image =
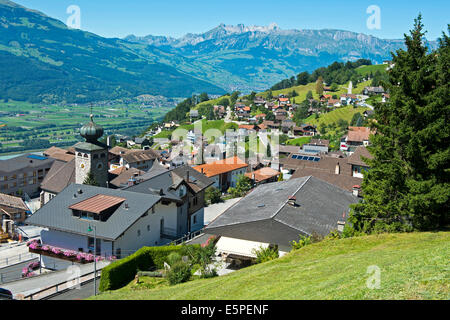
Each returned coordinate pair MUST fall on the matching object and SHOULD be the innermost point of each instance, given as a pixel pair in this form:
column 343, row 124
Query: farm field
column 36, row 127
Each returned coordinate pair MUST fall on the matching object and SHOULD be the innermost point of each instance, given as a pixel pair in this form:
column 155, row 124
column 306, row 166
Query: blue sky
column 118, row 18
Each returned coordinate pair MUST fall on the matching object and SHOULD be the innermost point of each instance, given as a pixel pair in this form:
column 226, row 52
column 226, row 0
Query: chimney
column 292, row 201
column 356, row 190
column 338, row 169
column 253, row 176
column 340, row 226
column 187, row 176
column 202, row 171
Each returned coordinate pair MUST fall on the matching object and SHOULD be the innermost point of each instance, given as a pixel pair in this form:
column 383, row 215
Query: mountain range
column 41, row 59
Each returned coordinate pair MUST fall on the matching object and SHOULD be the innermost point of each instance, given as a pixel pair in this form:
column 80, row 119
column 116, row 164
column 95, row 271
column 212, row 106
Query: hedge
column 121, row 272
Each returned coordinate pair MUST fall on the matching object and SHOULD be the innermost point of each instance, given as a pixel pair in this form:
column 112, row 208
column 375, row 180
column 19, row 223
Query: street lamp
column 90, row 228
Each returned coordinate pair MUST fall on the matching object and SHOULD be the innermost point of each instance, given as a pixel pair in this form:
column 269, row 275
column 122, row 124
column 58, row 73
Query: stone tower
column 91, row 155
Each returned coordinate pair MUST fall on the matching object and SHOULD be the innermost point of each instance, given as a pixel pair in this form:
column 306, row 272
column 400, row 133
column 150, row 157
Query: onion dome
column 91, row 131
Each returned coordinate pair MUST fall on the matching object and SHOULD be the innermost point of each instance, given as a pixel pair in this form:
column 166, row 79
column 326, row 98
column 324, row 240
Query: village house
column 194, row 115
column 368, row 91
column 124, row 222
column 356, row 136
column 275, row 214
column 287, row 126
column 220, row 111
column 271, row 125
column 316, row 146
column 357, row 163
column 224, row 172
column 139, row 159
column 23, row 174
column 280, row 115
column 247, row 129
column 333, row 103
column 263, row 175
column 305, row 130
column 286, row 150
column 183, row 186
column 347, row 99
column 13, row 211
column 334, row 169
column 60, row 154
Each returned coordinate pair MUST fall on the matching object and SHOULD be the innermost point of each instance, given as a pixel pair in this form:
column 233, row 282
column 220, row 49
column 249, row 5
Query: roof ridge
column 284, row 204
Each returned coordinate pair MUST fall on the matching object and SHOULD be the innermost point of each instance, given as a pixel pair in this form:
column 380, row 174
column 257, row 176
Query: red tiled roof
column 263, row 174
column 358, row 134
column 247, row 126
column 221, row 166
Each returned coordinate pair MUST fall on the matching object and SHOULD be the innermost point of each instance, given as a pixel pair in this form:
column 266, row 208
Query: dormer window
column 99, row 207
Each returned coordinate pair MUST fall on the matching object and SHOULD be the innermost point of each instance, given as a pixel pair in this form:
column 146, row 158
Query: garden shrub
column 266, row 254
column 121, row 272
column 179, row 272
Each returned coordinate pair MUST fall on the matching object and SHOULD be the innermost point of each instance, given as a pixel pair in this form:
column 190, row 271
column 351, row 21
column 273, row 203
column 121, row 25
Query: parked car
column 5, row 294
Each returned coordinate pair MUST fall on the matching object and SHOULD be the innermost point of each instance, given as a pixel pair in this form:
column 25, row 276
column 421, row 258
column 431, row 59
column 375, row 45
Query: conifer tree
column 90, row 180
column 407, row 187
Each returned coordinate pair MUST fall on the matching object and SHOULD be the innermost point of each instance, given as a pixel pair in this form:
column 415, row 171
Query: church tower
column 91, row 155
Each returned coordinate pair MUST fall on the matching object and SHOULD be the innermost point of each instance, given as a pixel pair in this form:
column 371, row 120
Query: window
column 139, row 233
column 195, row 201
column 195, row 219
column 148, row 227
column 95, row 156
column 153, row 209
column 102, row 155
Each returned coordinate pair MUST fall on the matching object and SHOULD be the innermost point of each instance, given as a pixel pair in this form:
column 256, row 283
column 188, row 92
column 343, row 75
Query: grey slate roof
column 265, row 215
column 56, row 214
column 168, row 181
column 23, row 162
column 61, row 175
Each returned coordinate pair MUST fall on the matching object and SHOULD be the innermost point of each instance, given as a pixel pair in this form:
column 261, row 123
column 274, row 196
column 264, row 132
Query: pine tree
column 90, row 180
column 319, row 86
column 407, row 187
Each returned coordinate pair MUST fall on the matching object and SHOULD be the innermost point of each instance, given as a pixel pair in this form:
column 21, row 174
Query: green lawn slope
column 344, row 113
column 412, row 266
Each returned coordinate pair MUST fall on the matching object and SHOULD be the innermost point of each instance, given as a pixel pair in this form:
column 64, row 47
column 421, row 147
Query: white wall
column 200, row 217
column 130, row 241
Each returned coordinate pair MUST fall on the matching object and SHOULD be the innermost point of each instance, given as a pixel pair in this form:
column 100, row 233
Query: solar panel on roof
column 36, row 157
column 316, row 159
column 310, row 158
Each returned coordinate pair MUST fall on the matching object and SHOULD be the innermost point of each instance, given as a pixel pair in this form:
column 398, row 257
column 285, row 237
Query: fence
column 16, row 272
column 5, row 262
column 60, row 287
column 188, row 237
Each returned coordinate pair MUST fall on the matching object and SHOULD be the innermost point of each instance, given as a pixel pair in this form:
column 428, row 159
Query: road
column 13, row 272
column 85, row 291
